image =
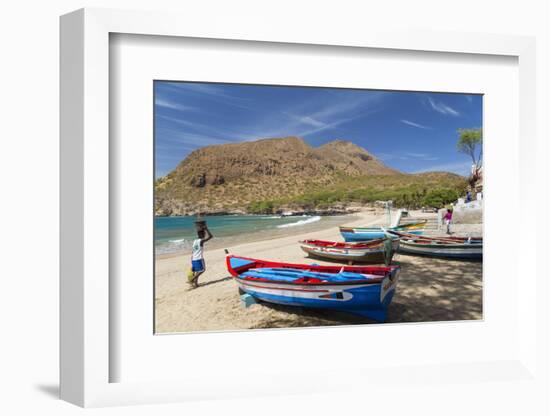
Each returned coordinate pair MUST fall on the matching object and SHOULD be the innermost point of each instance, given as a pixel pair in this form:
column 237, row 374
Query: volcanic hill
column 230, row 177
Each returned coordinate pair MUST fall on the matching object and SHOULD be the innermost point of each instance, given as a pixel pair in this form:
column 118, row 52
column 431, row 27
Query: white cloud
column 200, row 88
column 208, row 91
column 442, row 108
column 461, row 168
column 423, row 156
column 307, row 120
column 187, row 139
column 163, row 102
column 417, row 125
column 406, row 156
column 330, row 112
column 226, row 135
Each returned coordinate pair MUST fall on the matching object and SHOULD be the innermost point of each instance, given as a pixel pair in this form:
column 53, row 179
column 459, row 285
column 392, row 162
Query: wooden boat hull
column 457, row 251
column 349, row 254
column 369, row 298
column 356, row 234
column 447, row 247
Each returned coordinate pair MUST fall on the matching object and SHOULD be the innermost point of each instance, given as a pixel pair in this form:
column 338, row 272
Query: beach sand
column 429, row 289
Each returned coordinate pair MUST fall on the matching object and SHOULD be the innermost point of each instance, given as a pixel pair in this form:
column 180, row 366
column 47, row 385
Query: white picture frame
column 85, row 211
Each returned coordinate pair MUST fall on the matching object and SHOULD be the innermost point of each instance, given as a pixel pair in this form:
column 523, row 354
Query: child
column 447, row 218
column 197, row 260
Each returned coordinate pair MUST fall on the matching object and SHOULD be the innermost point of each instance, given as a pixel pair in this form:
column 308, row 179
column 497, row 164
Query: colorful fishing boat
column 361, row 290
column 375, row 251
column 448, row 247
column 352, row 234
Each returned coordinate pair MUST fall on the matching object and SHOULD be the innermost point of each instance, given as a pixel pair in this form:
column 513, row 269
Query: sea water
column 176, row 234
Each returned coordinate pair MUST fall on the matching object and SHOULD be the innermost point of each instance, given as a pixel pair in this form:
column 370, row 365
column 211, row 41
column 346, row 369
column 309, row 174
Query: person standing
column 447, row 219
column 198, row 265
column 468, row 197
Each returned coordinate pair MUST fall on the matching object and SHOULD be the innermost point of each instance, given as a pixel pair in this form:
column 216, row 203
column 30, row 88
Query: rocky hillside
column 231, row 177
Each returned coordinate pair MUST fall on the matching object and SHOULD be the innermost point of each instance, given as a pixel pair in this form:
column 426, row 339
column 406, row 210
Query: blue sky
column 410, row 131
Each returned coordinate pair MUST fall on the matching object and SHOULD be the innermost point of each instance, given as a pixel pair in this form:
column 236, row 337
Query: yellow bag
column 190, row 274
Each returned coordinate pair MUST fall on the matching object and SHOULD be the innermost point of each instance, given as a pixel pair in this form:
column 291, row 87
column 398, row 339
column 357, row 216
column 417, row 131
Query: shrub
column 261, row 207
column 438, row 198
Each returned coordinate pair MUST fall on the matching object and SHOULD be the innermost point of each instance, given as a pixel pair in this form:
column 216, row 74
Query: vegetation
column 406, row 191
column 470, row 142
column 261, row 207
column 438, row 198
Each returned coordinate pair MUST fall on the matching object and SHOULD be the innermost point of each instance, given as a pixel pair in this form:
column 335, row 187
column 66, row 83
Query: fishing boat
column 375, row 251
column 448, row 247
column 353, row 234
column 361, row 290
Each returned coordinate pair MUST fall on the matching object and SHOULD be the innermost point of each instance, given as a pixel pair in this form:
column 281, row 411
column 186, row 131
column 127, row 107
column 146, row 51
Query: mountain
column 350, row 159
column 231, row 177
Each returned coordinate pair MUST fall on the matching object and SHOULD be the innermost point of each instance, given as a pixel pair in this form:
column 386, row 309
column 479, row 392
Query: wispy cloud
column 166, row 103
column 308, row 120
column 460, row 168
column 326, row 114
column 423, row 156
column 442, row 108
column 207, row 91
column 328, row 111
column 199, row 88
column 417, row 125
column 406, row 156
column 223, row 136
column 390, row 156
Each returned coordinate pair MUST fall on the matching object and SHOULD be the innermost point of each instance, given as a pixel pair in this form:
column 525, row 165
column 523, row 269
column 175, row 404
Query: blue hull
column 365, row 302
column 369, row 235
column 457, row 256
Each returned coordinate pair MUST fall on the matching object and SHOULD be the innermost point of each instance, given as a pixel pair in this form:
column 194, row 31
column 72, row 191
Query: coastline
column 429, row 289
column 268, row 234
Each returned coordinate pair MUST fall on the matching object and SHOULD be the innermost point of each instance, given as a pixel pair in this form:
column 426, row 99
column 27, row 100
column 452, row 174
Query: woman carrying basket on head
column 198, row 265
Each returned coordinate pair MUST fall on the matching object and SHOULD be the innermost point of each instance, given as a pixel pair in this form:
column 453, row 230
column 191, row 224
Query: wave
column 301, row 222
column 177, row 241
column 172, row 246
column 273, row 217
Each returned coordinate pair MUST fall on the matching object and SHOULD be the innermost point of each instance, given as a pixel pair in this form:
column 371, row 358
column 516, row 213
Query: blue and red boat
column 361, row 290
column 357, row 234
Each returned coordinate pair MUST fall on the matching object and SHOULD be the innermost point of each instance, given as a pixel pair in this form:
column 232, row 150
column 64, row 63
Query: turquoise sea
column 176, row 234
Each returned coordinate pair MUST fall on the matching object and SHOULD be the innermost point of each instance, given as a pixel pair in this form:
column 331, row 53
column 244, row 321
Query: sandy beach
column 429, row 289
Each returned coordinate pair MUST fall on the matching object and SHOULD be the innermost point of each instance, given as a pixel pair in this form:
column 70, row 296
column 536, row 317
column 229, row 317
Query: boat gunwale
column 367, row 245
column 427, row 241
column 362, row 282
column 421, row 224
column 442, row 245
column 389, row 271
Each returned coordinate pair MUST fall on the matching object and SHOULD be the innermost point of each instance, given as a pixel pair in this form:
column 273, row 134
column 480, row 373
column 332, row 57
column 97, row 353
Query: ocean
column 176, row 234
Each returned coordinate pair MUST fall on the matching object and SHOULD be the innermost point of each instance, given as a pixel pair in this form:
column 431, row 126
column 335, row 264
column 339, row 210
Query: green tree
column 261, row 207
column 470, row 142
column 438, row 198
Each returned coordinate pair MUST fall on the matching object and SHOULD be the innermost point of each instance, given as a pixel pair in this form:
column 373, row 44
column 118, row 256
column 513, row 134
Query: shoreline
column 429, row 289
column 267, row 234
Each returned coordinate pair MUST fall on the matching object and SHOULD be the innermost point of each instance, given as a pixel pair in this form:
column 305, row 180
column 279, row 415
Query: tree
column 469, row 140
column 438, row 198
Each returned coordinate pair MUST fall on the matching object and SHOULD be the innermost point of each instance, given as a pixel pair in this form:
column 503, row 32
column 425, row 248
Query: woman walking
column 447, row 219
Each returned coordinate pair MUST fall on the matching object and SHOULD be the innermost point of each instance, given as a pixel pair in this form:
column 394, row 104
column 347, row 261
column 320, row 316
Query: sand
column 429, row 289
